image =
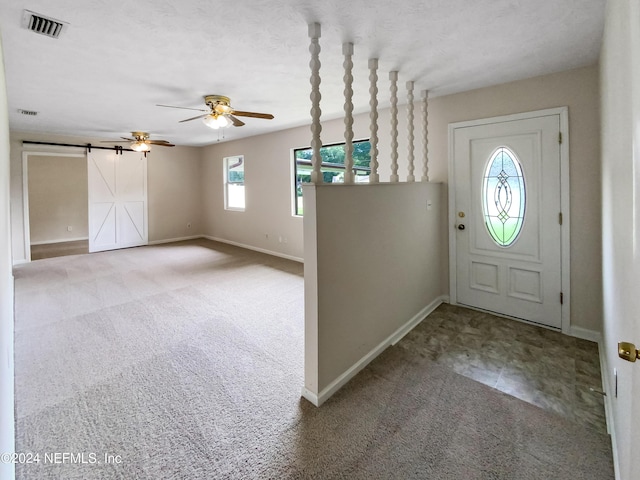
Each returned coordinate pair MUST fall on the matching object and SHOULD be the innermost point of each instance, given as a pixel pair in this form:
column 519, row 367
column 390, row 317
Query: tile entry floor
column 537, row 365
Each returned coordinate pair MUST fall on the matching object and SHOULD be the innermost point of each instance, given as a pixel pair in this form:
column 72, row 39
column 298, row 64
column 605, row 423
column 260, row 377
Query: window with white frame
column 332, row 167
column 234, row 183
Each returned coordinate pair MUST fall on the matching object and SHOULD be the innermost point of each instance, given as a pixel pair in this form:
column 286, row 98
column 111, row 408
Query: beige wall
column 58, row 198
column 174, row 188
column 373, row 275
column 579, row 90
column 7, row 443
column 174, row 193
column 620, row 83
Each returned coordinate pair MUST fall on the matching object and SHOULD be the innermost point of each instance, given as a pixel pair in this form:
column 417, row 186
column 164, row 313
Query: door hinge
column 559, row 137
column 561, row 298
column 560, row 218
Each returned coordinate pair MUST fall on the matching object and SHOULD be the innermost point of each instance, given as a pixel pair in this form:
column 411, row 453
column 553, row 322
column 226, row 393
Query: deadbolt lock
column 627, row 351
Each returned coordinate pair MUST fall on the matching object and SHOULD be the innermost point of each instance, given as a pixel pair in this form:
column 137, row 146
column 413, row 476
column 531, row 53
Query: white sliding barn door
column 117, row 200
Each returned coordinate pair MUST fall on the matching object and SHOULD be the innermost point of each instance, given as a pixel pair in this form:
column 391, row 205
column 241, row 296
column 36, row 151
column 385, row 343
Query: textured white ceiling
column 118, row 59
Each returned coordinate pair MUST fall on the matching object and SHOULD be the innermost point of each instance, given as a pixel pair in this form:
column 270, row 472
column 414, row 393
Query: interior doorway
column 56, row 204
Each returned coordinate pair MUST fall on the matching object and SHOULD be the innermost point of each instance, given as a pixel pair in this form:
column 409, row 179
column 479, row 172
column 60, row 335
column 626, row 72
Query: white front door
column 117, row 200
column 506, row 211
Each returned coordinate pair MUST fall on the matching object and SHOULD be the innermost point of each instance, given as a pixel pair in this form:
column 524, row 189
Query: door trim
column 565, row 242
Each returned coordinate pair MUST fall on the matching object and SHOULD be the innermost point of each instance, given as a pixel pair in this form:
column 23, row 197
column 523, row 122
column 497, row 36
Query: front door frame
column 565, row 243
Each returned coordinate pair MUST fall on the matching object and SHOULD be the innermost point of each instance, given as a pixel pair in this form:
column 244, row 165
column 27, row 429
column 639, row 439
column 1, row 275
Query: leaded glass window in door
column 503, row 197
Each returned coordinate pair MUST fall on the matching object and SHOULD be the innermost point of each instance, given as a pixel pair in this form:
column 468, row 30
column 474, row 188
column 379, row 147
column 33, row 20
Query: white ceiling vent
column 44, row 25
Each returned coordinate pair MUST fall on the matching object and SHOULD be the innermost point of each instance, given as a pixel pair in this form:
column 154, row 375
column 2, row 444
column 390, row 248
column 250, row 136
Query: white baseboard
column 171, row 240
column 417, row 318
column 21, row 261
column 255, row 249
column 585, row 334
column 392, row 339
column 61, row 240
column 608, row 407
column 309, row 395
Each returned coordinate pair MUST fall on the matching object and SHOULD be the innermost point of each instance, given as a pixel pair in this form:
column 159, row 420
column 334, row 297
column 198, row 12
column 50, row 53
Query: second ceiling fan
column 220, row 114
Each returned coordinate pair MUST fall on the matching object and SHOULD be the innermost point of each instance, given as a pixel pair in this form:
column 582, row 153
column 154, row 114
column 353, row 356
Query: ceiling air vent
column 27, row 112
column 44, row 25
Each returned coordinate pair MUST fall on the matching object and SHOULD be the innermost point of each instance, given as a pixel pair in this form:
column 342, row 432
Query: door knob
column 627, row 351
column 461, row 227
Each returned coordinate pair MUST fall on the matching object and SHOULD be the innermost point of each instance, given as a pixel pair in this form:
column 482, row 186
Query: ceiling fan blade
column 129, row 139
column 194, row 118
column 182, row 108
column 236, row 121
column 160, row 143
column 114, row 142
column 266, row 116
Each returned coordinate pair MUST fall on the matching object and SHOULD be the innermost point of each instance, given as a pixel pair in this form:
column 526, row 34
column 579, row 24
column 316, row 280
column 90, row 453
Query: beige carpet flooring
column 185, row 361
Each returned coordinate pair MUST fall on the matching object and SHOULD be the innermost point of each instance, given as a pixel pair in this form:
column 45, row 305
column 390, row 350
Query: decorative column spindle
column 347, row 51
column 425, row 131
column 393, row 76
column 316, row 128
column 411, row 177
column 373, row 115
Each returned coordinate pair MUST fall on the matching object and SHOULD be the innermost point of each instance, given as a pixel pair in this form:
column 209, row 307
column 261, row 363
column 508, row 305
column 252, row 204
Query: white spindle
column 393, row 76
column 373, row 115
column 410, row 153
column 425, row 131
column 316, row 127
column 347, row 51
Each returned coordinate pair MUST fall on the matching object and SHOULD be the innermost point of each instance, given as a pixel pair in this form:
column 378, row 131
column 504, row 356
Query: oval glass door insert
column 503, row 197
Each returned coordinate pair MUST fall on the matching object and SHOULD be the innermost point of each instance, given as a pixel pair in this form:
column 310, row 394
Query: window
column 503, row 197
column 332, row 166
column 234, row 183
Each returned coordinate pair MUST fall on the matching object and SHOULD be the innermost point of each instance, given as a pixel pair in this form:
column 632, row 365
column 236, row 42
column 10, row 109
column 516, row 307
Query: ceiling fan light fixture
column 140, row 146
column 216, row 121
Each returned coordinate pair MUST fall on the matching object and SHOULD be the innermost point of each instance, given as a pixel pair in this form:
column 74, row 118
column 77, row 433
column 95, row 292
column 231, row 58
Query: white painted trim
column 25, row 197
column 608, row 408
column 20, row 262
column 61, row 240
column 26, row 231
column 392, row 339
column 563, row 113
column 312, row 397
column 256, row 249
column 565, row 231
column 417, row 318
column 585, row 334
